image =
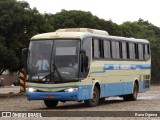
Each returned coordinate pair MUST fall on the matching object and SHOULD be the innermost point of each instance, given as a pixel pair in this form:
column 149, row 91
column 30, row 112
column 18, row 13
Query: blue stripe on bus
column 114, row 89
column 123, row 67
column 85, row 92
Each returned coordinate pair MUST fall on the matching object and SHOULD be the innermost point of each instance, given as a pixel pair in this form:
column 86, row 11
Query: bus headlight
column 31, row 89
column 71, row 89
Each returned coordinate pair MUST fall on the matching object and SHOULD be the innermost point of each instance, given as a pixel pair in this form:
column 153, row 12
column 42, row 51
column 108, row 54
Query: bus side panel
column 113, row 89
column 102, row 87
column 85, row 92
column 127, row 87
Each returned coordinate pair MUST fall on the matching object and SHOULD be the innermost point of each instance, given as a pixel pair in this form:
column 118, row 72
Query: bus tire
column 95, row 100
column 133, row 96
column 50, row 103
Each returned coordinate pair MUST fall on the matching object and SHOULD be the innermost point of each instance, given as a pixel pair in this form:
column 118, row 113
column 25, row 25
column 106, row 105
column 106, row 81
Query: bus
column 82, row 64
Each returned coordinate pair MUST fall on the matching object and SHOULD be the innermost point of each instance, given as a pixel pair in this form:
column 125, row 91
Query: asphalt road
column 148, row 101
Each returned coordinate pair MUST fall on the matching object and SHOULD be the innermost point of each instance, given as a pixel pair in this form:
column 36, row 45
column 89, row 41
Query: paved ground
column 148, row 101
column 9, row 89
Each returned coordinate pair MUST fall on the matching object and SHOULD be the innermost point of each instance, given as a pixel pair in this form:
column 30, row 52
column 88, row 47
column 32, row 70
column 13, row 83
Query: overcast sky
column 118, row 11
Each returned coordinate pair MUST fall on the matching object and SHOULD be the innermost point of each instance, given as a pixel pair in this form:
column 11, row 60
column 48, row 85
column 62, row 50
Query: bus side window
column 114, row 54
column 132, row 51
column 117, row 50
column 87, row 47
column 146, row 51
column 140, row 49
column 120, row 50
column 111, row 49
column 127, row 50
column 96, row 53
column 136, row 51
column 124, row 50
column 92, row 48
column 101, row 48
column 143, row 45
column 107, row 49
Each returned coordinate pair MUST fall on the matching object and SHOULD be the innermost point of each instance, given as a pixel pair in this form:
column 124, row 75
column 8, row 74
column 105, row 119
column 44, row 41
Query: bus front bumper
column 60, row 96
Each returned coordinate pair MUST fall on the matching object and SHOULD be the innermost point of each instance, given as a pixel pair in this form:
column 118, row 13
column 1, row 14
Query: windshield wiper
column 59, row 75
column 49, row 75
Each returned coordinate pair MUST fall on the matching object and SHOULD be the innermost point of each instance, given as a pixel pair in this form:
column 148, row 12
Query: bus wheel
column 94, row 101
column 50, row 103
column 133, row 96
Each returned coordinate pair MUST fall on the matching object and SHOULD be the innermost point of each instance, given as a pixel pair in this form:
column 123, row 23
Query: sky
column 118, row 11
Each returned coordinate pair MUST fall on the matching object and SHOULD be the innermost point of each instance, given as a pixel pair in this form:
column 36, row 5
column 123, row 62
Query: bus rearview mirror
column 24, row 56
column 85, row 61
column 25, row 51
column 83, row 52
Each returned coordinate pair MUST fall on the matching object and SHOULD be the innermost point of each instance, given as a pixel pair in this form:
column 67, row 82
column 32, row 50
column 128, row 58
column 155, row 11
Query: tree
column 145, row 30
column 18, row 23
column 81, row 19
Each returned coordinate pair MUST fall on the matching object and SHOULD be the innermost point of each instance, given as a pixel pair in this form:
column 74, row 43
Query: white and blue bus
column 81, row 64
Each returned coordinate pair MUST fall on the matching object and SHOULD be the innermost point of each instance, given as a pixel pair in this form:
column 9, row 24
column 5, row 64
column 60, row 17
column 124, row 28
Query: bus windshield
column 53, row 61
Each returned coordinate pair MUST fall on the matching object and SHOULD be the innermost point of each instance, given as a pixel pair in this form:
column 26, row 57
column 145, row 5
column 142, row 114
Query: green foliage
column 145, row 30
column 81, row 19
column 140, row 29
column 18, row 23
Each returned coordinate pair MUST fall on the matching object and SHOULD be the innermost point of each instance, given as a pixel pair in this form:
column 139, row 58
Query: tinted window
column 95, row 47
column 117, row 50
column 146, row 51
column 120, row 50
column 101, row 48
column 114, row 50
column 132, row 51
column 107, row 49
column 140, row 49
column 127, row 50
column 136, row 51
column 66, row 51
column 87, row 47
column 124, row 50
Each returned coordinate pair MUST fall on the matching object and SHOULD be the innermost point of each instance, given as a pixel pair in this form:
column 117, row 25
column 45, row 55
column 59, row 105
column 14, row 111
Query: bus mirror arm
column 24, row 57
column 82, row 52
column 85, row 62
column 84, row 59
column 25, row 51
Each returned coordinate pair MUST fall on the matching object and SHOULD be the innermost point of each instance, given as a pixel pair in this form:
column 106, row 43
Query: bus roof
column 70, row 33
column 84, row 33
column 85, row 30
column 119, row 38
